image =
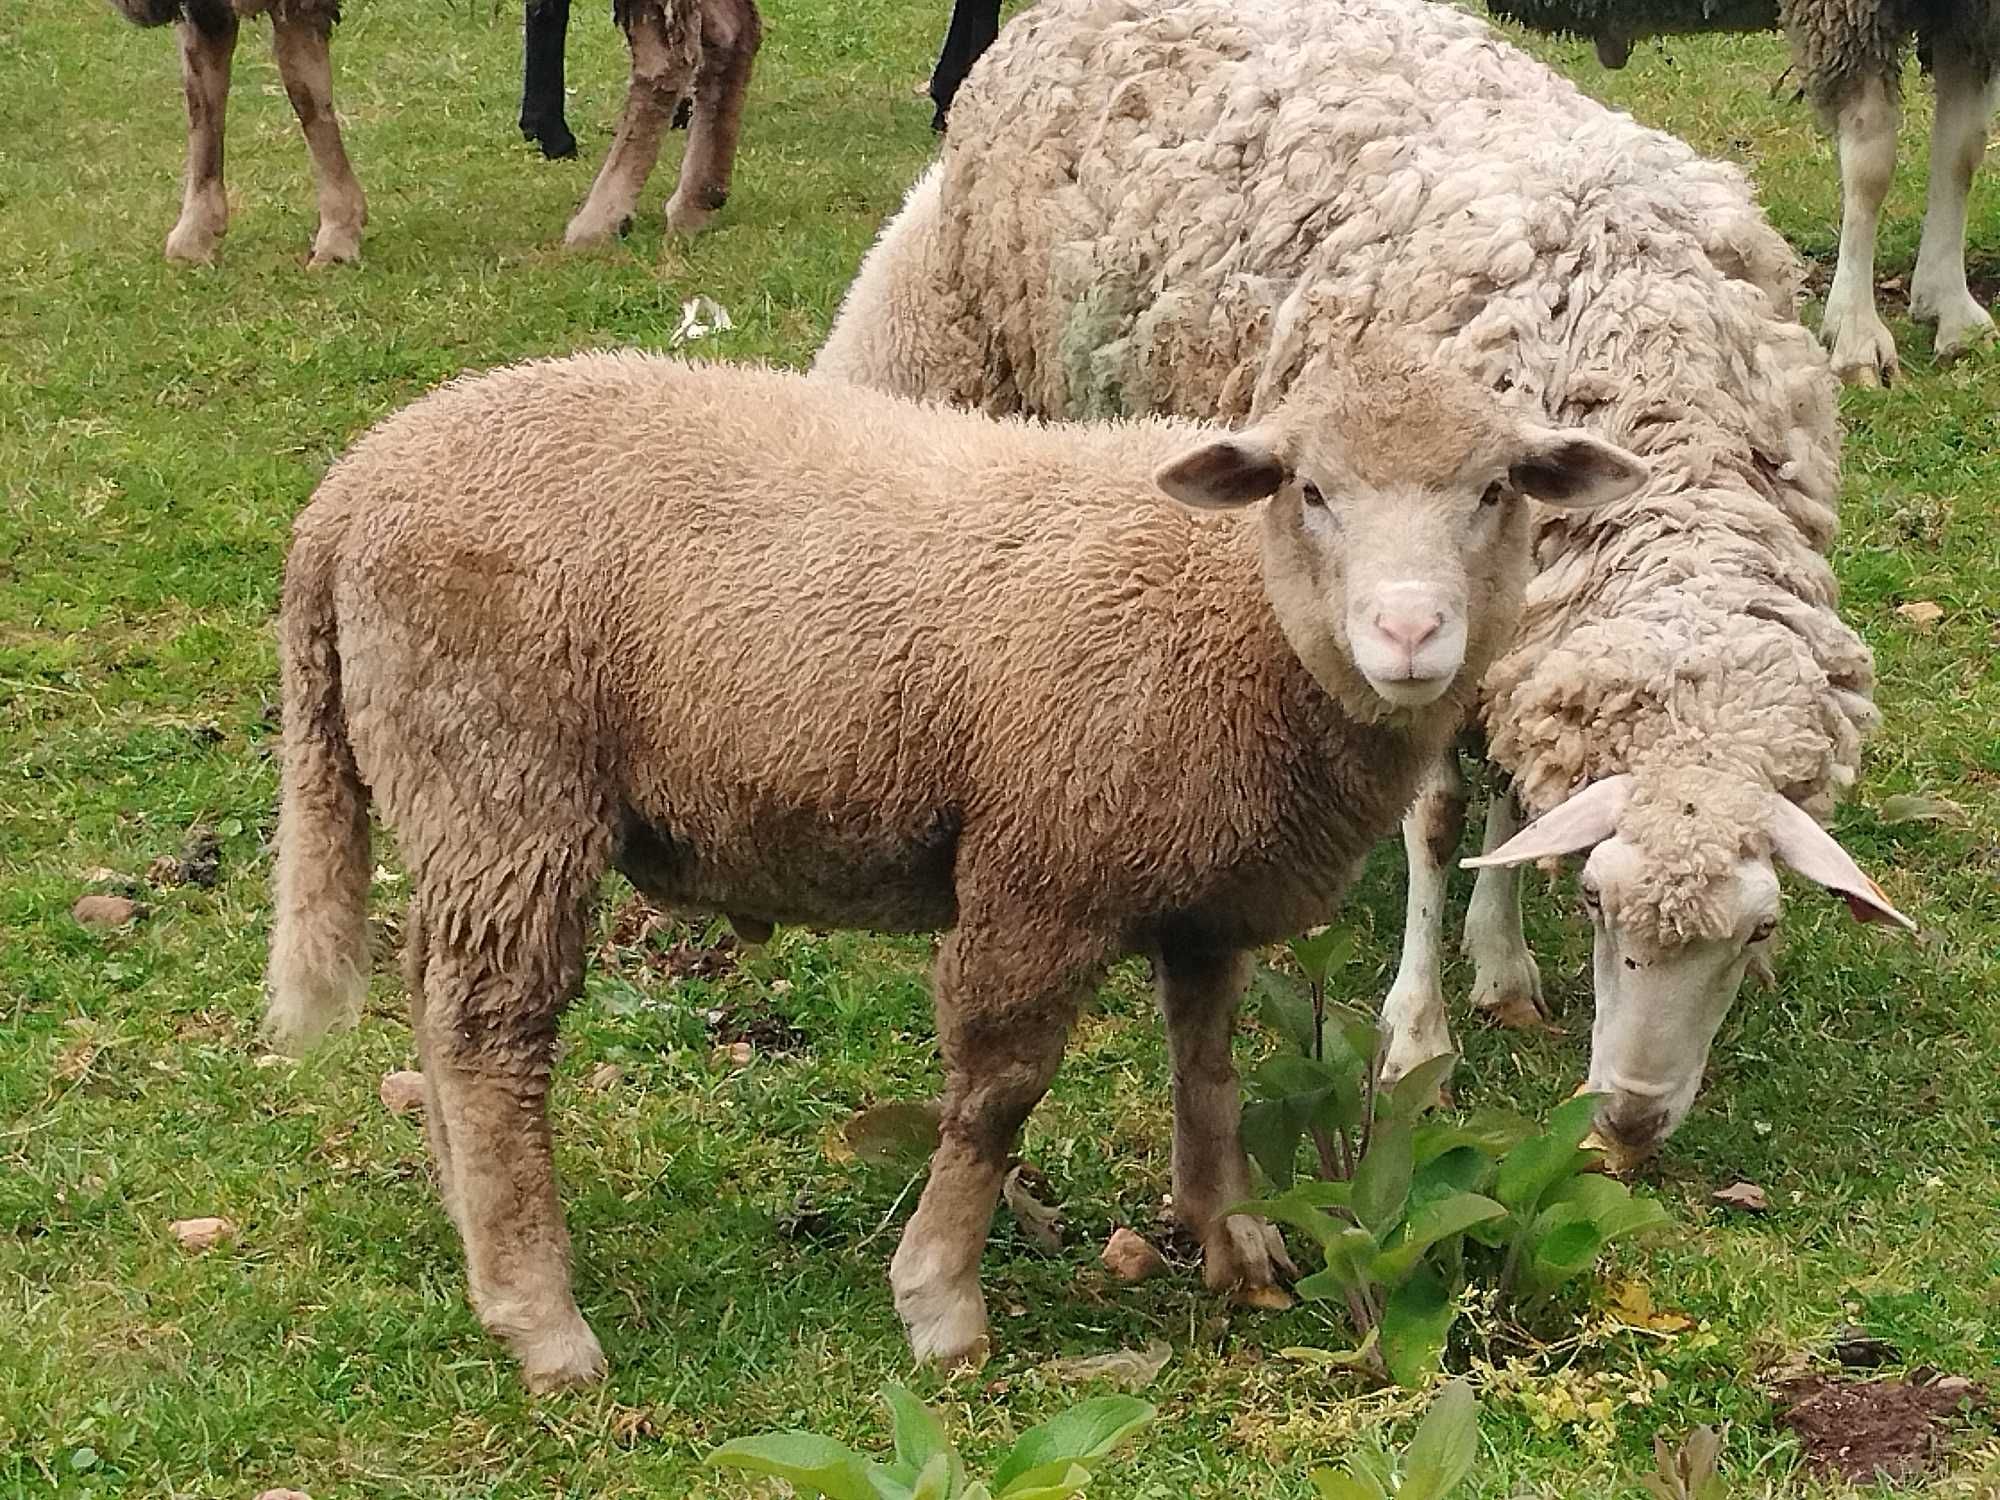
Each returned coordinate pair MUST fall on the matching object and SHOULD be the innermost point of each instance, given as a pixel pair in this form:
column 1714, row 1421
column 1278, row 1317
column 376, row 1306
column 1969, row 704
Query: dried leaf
column 1922, row 613
column 1743, row 1195
column 1632, row 1305
column 1857, row 1349
column 402, row 1092
column 1128, row 1369
column 900, row 1134
column 733, row 1055
column 1041, row 1223
column 284, row 1495
column 1905, row 808
column 201, row 1234
column 106, row 911
column 604, row 1076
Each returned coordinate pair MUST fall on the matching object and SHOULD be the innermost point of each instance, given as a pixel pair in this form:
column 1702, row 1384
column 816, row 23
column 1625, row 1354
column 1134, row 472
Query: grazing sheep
column 1173, row 206
column 1850, row 54
column 680, row 48
column 797, row 653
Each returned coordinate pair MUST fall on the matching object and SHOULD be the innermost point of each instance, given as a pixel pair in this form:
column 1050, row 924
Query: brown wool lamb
column 797, row 653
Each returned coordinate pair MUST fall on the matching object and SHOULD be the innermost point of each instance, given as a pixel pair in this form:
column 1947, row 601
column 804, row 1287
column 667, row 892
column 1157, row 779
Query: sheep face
column 1681, row 888
column 1395, row 526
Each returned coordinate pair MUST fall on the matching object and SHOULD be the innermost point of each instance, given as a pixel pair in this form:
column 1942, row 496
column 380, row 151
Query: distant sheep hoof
column 588, row 230
column 561, row 1360
column 947, row 1325
column 690, row 217
column 193, row 244
column 1864, row 351
column 556, row 142
column 335, row 247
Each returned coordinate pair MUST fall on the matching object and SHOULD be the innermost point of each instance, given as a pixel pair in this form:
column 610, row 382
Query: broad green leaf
column 1295, row 1211
column 1329, row 1484
column 1417, row 1090
column 1085, row 1432
column 1462, row 1169
column 1271, row 1132
column 1494, row 1132
column 814, row 1464
column 1330, row 1285
column 920, row 1436
column 1434, row 1221
column 1054, row 1481
column 1360, row 1037
column 1610, row 1205
column 1285, row 1007
column 936, row 1481
column 1531, row 1168
column 1382, row 1181
column 1320, row 953
column 1416, row 1320
column 977, row 1491
column 1447, row 1442
column 1303, row 1078
column 1561, row 1243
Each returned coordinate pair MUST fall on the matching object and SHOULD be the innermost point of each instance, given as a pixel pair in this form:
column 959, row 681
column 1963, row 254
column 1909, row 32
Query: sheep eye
column 1763, row 929
column 1495, row 493
column 1309, row 492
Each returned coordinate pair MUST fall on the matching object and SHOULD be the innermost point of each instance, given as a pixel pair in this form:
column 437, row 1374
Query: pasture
column 159, row 427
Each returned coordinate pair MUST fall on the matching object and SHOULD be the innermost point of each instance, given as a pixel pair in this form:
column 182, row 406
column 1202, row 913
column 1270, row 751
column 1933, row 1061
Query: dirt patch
column 768, row 1033
column 634, row 930
column 1876, row 1429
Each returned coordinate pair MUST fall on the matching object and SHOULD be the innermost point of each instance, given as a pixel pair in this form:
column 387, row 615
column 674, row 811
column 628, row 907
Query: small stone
column 1130, row 1257
column 604, row 1076
column 733, row 1055
column 197, row 1235
column 1952, row 1385
column 106, row 911
column 403, row 1092
column 1922, row 613
column 284, row 1495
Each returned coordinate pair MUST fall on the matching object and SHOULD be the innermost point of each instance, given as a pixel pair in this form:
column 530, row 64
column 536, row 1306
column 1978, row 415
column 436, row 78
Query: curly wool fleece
column 1172, row 206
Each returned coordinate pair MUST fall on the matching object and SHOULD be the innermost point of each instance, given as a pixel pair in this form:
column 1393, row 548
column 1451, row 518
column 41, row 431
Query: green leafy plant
column 1049, row 1462
column 1406, row 1210
column 1688, row 1472
column 1439, row 1456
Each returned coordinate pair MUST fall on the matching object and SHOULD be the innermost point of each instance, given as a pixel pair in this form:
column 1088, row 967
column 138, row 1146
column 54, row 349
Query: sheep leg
column 486, row 1013
column 665, row 39
column 1002, row 1022
column 1199, row 993
column 731, row 32
column 544, row 37
column 299, row 37
column 208, row 43
column 1506, row 983
column 1938, row 293
column 1864, row 352
column 416, row 952
column 974, row 25
column 1414, row 1011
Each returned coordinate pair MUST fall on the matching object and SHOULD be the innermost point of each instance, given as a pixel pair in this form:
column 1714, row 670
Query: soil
column 1876, row 1429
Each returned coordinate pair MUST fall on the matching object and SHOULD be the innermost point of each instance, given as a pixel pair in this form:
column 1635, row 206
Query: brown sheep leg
column 416, row 951
column 299, row 37
column 1005, row 1000
column 665, row 38
column 206, row 50
column 486, row 1013
column 1199, row 992
column 731, row 32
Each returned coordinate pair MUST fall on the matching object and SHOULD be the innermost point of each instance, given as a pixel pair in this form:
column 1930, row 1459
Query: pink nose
column 1408, row 628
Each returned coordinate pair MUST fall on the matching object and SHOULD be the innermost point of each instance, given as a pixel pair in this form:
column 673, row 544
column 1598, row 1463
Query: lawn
column 158, row 429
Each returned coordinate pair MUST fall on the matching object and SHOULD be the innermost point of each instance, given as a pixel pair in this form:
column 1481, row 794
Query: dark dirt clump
column 1876, row 1429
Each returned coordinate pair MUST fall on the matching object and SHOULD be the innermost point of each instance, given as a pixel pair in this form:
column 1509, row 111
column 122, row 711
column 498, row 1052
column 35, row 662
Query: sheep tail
column 318, row 972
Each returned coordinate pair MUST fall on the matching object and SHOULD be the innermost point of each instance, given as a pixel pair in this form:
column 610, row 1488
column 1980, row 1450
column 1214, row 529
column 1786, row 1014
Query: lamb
column 795, row 653
column 702, row 48
column 974, row 25
column 1173, row 205
column 1850, row 54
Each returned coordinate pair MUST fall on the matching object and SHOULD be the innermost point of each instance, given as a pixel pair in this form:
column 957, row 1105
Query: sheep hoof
column 1246, row 1257
column 689, row 213
column 1864, row 351
column 946, row 1324
column 561, row 1359
column 591, row 228
column 193, row 243
column 337, row 245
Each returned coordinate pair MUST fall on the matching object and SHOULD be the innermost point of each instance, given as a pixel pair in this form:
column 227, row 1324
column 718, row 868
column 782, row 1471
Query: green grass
column 159, row 427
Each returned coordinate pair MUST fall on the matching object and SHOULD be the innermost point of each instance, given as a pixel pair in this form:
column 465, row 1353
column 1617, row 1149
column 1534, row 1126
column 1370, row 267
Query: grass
column 159, row 427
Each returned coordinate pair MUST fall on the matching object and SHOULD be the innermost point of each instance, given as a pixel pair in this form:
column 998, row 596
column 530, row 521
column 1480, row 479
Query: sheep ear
column 1575, row 469
column 1583, row 821
column 1226, row 472
column 1809, row 849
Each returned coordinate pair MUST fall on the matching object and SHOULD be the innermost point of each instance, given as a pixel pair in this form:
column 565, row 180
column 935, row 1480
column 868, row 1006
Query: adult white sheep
column 798, row 653
column 1171, row 206
column 1850, row 55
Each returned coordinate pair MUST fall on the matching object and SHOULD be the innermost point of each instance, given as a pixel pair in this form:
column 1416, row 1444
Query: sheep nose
column 1408, row 626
